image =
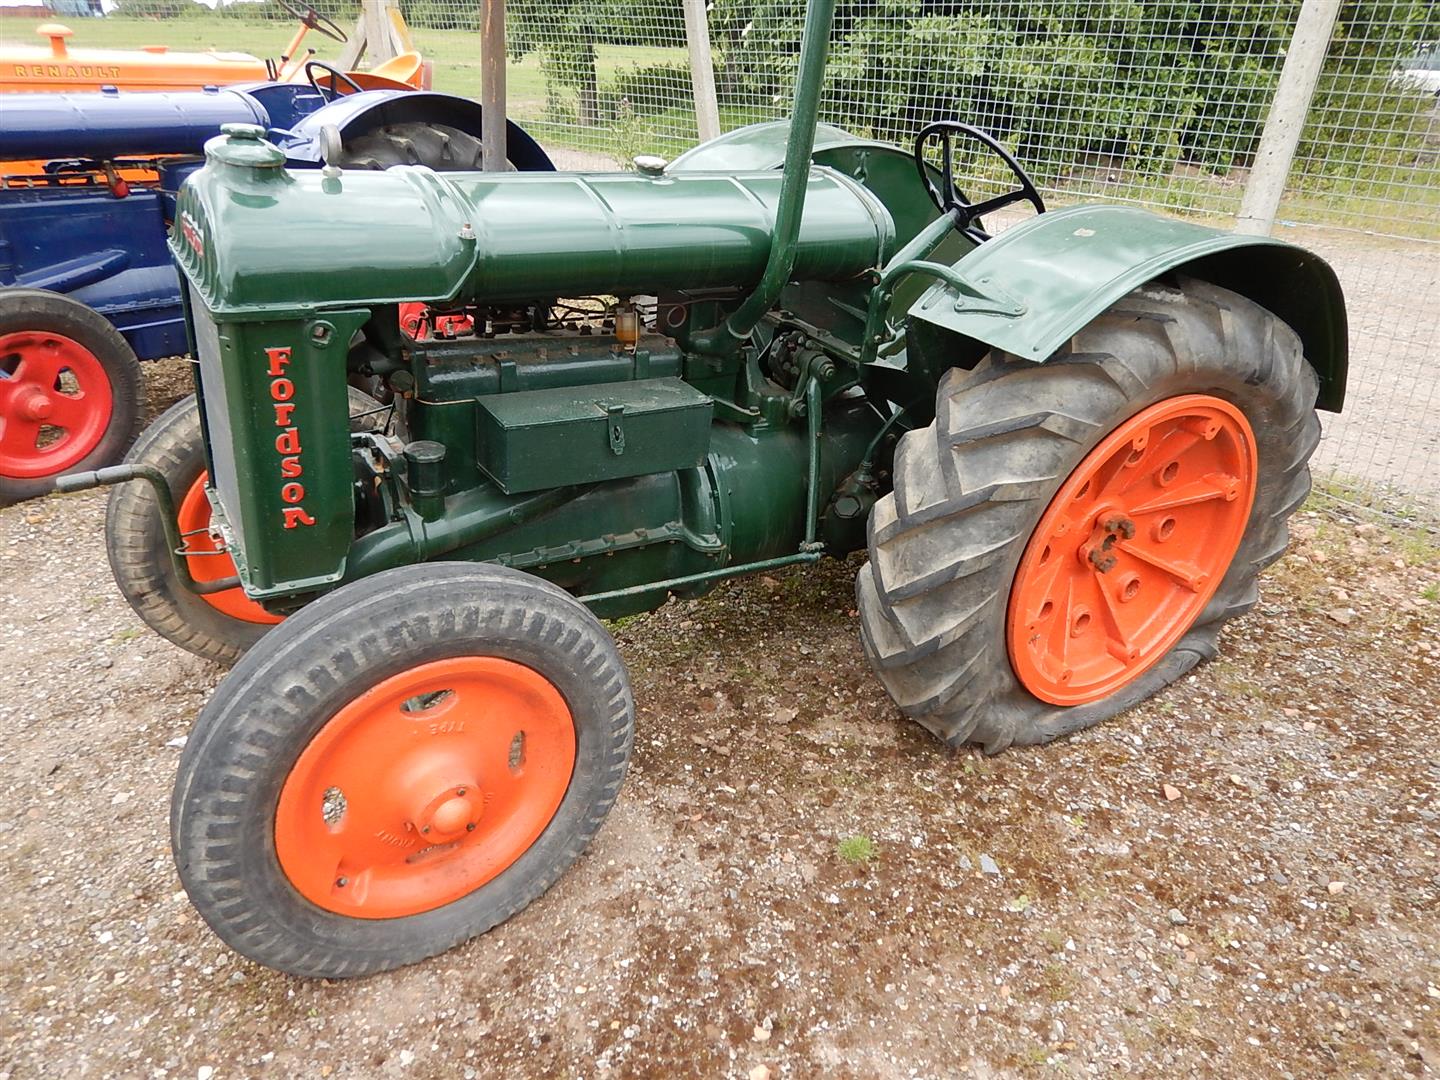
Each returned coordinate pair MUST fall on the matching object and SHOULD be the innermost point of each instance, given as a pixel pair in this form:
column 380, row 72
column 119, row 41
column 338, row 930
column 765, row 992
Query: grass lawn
column 454, row 53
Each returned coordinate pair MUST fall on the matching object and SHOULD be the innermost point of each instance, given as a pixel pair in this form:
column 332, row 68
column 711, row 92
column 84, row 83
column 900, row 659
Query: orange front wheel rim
column 209, row 561
column 1131, row 549
column 425, row 787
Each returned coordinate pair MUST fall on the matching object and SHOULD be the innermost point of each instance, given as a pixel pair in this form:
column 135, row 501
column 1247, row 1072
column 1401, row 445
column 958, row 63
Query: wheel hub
column 34, row 403
column 1108, row 528
column 442, row 794
column 456, row 814
column 1162, row 504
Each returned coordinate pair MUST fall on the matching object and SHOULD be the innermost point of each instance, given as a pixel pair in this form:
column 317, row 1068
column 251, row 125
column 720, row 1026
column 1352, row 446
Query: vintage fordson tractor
column 87, row 191
column 1070, row 450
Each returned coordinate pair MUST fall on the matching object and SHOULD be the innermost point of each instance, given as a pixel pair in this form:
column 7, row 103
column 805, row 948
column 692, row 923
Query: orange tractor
column 58, row 67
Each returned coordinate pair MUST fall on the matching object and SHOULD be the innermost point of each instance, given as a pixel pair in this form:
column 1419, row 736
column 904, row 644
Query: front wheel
column 1068, row 538
column 401, row 766
column 70, row 391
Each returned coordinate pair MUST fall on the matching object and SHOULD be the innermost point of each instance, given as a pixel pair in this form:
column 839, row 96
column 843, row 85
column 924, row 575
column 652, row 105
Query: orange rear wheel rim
column 425, row 787
column 1131, row 549
column 208, row 561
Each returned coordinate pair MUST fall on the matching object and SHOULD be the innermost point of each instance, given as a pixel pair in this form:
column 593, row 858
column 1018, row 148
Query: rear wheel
column 416, row 142
column 1068, row 538
column 70, row 391
column 218, row 626
column 436, row 146
column 401, row 766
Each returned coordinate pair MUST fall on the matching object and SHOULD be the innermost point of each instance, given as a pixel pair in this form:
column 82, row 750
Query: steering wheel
column 336, row 77
column 950, row 199
column 314, row 20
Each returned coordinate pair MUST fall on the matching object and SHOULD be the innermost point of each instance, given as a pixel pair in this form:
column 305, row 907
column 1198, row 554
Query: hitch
column 123, row 474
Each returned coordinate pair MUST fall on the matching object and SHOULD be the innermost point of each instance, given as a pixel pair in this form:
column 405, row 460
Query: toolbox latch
column 615, row 419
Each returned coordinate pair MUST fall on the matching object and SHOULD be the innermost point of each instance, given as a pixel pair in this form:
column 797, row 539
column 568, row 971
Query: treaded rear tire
column 281, row 694
column 971, row 487
column 436, row 146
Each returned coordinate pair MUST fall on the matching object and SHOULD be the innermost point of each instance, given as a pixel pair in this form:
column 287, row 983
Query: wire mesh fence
column 1156, row 103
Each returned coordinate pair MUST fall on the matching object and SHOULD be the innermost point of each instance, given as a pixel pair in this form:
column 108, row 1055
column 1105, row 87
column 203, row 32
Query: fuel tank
column 258, row 241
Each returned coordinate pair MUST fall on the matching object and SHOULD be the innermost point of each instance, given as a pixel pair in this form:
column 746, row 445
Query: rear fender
column 355, row 114
column 1035, row 285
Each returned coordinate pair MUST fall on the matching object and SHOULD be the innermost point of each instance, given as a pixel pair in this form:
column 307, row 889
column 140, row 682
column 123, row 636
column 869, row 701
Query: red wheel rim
column 55, row 403
column 212, row 562
column 425, row 787
column 1131, row 549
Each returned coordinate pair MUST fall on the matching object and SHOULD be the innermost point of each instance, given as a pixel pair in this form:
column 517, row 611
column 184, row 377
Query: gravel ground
column 1239, row 878
column 1389, row 433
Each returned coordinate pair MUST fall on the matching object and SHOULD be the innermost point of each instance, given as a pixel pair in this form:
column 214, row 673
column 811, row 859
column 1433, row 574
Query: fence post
column 374, row 35
column 1288, row 110
column 702, row 70
column 492, row 85
column 355, row 47
column 377, row 30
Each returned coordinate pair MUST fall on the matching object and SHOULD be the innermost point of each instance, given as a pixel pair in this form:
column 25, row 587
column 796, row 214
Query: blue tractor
column 87, row 194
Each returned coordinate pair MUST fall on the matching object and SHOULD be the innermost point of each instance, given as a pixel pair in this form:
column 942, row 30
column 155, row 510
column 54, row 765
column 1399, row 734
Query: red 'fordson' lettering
column 287, row 442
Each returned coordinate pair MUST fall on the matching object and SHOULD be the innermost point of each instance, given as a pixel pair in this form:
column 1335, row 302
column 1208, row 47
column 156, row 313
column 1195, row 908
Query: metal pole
column 492, row 86
column 702, row 70
column 1287, row 116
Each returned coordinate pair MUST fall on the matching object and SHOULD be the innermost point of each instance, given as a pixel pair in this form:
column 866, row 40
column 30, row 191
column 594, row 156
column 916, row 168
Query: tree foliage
column 1153, row 83
column 565, row 33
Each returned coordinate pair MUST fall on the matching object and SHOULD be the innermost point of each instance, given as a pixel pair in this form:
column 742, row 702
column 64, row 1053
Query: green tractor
column 1069, row 449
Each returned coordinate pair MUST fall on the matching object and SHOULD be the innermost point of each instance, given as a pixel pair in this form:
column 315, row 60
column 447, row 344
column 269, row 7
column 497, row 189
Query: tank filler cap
column 650, row 164
column 331, row 146
column 244, row 145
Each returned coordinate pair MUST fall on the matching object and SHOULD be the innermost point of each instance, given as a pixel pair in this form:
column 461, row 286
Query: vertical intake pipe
column 727, row 338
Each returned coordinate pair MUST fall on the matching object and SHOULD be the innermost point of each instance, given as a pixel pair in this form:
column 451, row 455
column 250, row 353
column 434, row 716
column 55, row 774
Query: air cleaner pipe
column 470, row 517
column 165, row 506
column 800, row 145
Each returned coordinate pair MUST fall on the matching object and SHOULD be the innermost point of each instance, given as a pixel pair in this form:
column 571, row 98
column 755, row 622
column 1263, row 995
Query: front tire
column 401, row 766
column 953, row 601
